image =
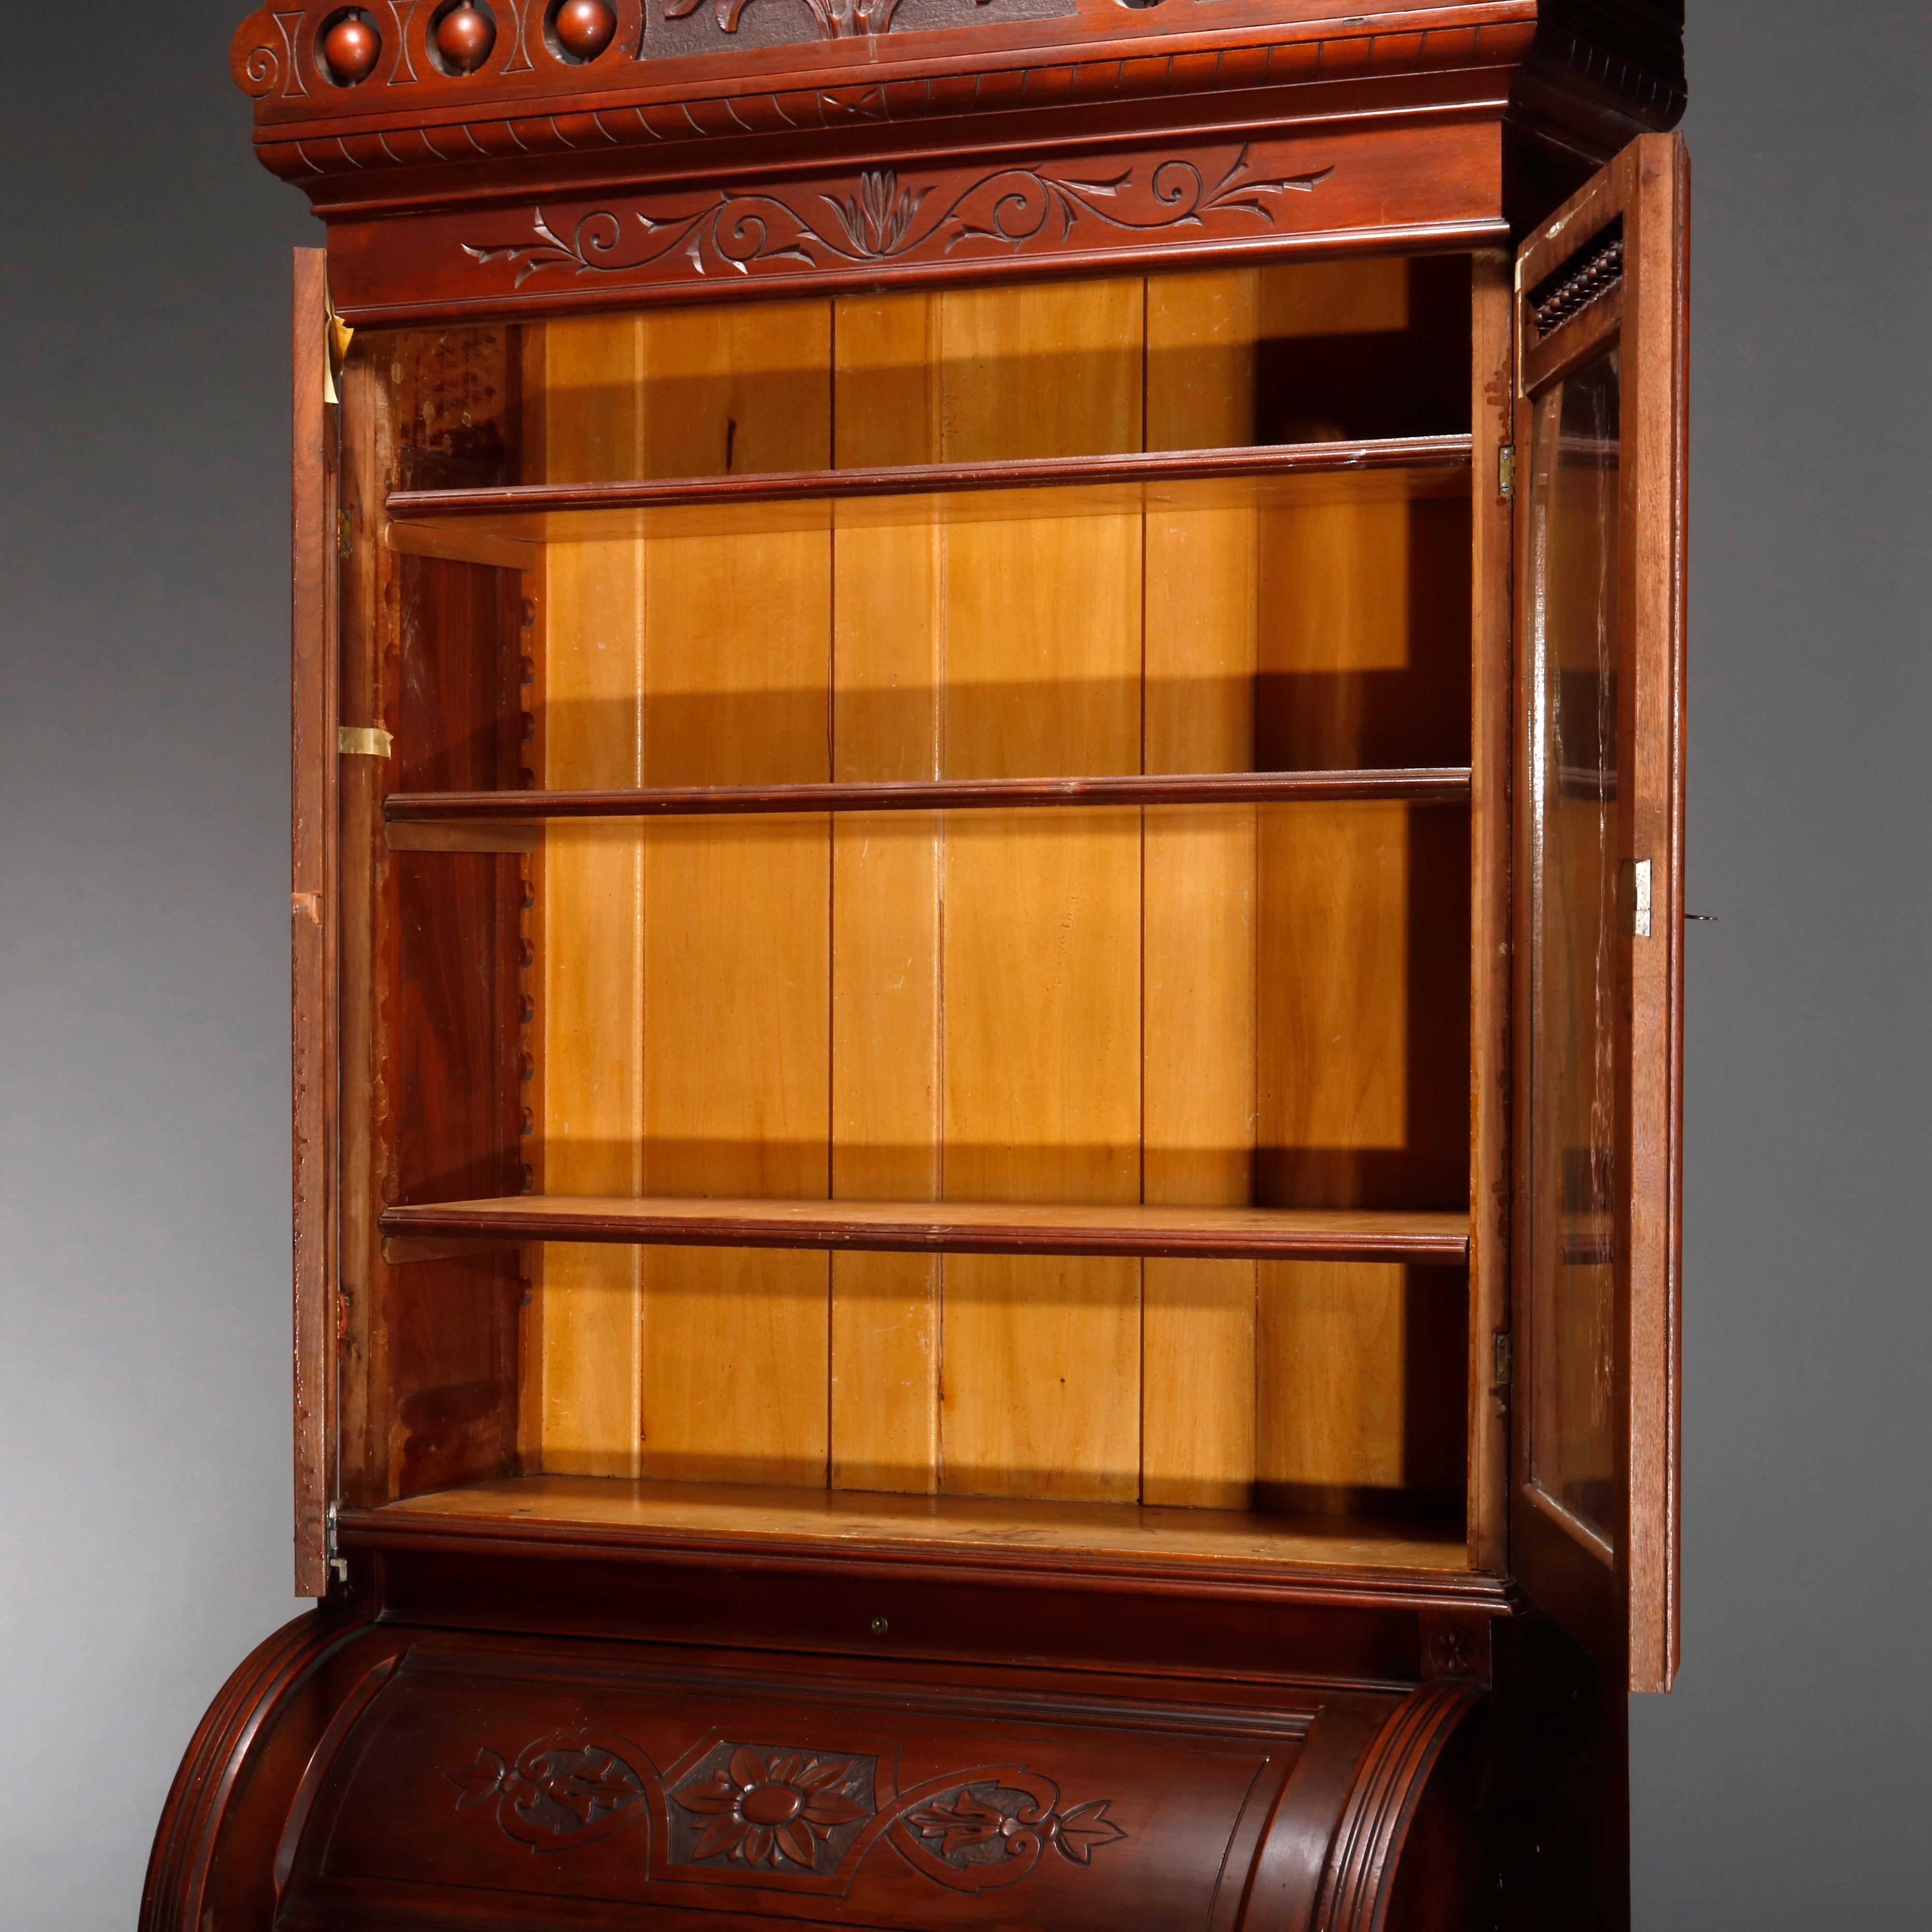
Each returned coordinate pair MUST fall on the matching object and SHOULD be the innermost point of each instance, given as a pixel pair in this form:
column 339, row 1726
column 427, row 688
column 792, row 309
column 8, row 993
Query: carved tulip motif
column 878, row 219
column 762, row 1810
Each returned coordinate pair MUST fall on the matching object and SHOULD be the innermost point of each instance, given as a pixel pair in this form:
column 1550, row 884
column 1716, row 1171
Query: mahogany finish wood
column 583, row 28
column 1446, row 786
column 1127, row 394
column 922, row 479
column 464, row 37
column 428, row 958
column 954, row 1227
column 313, row 917
column 1492, row 742
column 350, row 50
column 755, row 1519
column 434, row 1763
column 1620, row 1592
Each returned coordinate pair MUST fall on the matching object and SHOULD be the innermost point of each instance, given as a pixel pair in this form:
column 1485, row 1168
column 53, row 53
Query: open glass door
column 312, row 913
column 1601, row 307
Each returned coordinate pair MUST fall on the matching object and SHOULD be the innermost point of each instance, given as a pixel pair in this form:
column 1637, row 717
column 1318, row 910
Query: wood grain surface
column 847, row 1519
column 951, row 1226
column 589, row 1034
column 937, row 918
column 1094, row 461
column 1444, row 784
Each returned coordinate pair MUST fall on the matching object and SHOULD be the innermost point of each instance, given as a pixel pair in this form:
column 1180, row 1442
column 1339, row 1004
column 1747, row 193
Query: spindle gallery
column 986, row 921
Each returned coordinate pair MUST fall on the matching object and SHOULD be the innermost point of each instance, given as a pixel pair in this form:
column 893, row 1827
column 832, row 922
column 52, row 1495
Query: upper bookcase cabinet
column 987, row 831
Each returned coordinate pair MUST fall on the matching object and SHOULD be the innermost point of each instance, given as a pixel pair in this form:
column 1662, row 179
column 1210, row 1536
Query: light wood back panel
column 1363, row 972
column 687, row 971
column 736, row 994
column 1198, row 886
column 886, row 1024
column 987, row 964
column 1189, row 1006
column 590, row 886
column 1041, row 934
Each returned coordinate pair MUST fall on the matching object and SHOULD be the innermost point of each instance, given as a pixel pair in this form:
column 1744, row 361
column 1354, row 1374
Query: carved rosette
column 773, row 1808
column 790, row 1815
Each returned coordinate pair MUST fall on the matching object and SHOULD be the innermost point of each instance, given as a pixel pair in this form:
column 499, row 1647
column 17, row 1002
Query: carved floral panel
column 786, row 1815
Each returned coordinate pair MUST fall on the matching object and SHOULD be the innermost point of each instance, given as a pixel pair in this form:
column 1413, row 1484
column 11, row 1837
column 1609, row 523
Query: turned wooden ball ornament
column 465, row 36
column 584, row 27
column 350, row 47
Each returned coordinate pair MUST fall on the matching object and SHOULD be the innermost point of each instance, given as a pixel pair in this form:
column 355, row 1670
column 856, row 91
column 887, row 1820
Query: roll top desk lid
column 706, row 148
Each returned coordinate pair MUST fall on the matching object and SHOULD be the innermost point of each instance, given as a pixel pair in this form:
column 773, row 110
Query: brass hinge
column 1505, row 1360
column 337, row 1563
column 363, row 741
column 1637, row 897
column 1506, row 472
column 337, row 337
column 345, row 532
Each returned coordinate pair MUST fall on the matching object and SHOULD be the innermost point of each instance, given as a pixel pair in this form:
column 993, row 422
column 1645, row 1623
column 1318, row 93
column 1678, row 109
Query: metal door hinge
column 1506, row 473
column 337, row 1564
column 1636, row 897
column 337, row 337
column 345, row 532
column 363, row 741
column 1505, row 1360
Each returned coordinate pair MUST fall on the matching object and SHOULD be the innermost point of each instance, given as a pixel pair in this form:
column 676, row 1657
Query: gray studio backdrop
column 143, row 926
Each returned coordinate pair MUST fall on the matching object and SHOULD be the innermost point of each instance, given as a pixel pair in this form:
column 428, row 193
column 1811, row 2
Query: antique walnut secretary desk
column 987, row 934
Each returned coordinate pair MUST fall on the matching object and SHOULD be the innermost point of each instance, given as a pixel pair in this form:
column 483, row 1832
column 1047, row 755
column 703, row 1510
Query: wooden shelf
column 952, row 1227
column 1447, row 784
column 613, row 1509
column 440, row 522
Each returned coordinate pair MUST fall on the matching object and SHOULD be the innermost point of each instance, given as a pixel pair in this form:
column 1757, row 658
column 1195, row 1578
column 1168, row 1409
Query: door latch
column 337, row 1564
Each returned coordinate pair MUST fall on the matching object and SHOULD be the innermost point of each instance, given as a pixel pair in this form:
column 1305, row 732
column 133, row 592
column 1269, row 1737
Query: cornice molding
column 676, row 79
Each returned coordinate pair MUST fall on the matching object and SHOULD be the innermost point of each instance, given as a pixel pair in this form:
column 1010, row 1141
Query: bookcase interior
column 1263, row 1004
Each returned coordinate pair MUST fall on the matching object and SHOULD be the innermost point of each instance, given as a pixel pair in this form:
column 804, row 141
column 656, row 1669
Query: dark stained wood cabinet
column 987, row 913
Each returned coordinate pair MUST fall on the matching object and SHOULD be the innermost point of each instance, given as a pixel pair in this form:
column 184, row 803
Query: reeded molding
column 220, row 1781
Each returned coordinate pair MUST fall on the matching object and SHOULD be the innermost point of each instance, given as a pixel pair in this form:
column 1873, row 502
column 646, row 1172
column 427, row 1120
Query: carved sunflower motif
column 762, row 1810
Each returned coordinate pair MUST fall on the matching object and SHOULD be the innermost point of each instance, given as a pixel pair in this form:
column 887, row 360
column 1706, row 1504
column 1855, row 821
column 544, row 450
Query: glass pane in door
column 1573, row 512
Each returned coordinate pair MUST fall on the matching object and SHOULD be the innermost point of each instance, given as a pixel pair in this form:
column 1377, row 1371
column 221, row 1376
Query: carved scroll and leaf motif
column 835, row 19
column 693, row 26
column 812, row 1817
column 560, row 1791
column 992, row 1832
column 1012, row 208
